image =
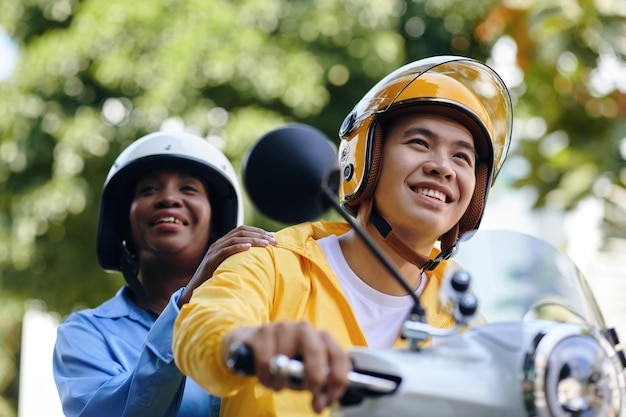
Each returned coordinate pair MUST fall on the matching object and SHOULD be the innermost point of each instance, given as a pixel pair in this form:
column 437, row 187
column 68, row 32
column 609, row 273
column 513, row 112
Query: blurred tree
column 94, row 75
column 571, row 106
column 10, row 323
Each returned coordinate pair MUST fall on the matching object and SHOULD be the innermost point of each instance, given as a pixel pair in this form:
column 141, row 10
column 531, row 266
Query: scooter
column 529, row 339
column 536, row 346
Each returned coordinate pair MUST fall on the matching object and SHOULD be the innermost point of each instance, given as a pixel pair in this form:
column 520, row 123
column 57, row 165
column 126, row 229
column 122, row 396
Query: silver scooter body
column 540, row 346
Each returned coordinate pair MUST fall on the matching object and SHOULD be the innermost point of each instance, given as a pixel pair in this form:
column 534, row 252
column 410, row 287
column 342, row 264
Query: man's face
column 427, row 176
column 170, row 215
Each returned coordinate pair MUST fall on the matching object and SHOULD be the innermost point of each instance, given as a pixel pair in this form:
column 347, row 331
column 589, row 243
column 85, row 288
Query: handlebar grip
column 294, row 368
column 241, row 359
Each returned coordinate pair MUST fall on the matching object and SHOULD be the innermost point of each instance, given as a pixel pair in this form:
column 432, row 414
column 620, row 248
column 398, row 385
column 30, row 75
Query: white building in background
column 38, row 395
column 579, row 235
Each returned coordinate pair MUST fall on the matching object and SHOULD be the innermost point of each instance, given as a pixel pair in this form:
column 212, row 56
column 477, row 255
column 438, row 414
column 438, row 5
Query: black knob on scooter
column 468, row 304
column 460, row 281
column 241, row 359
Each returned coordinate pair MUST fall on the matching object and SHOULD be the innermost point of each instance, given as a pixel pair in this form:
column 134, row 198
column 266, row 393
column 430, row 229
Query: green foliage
column 10, row 323
column 566, row 52
column 93, row 76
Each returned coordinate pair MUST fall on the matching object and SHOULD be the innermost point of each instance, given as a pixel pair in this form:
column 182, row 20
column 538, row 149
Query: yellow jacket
column 287, row 282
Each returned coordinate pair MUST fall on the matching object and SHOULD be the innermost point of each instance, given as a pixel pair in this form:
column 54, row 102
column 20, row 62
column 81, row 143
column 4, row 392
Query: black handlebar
column 362, row 385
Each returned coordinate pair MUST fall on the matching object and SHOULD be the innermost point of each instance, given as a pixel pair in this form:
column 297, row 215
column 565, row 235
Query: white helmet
column 157, row 151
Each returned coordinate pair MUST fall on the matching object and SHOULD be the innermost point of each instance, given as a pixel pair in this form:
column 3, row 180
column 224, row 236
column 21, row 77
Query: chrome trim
column 540, row 383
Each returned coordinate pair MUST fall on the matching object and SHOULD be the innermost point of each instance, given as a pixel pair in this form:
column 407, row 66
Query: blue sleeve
column 115, row 370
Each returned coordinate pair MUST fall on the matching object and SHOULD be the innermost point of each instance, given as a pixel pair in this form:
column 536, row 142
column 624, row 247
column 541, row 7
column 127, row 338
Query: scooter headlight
column 572, row 372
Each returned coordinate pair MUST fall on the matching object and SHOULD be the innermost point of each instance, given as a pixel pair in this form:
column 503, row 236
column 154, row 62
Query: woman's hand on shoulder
column 237, row 240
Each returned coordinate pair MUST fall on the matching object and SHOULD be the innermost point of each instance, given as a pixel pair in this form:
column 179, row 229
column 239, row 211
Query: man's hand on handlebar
column 326, row 364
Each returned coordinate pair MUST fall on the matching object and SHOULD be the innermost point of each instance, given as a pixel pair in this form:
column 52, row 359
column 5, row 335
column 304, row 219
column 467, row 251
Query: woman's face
column 170, row 216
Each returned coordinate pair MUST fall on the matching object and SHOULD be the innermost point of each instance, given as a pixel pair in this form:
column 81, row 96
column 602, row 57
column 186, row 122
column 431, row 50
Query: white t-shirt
column 380, row 315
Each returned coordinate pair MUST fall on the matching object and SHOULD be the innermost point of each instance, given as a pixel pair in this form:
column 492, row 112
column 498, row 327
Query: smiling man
column 418, row 155
column 426, row 179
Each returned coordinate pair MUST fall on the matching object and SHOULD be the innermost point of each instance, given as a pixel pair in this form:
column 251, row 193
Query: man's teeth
column 432, row 193
column 169, row 220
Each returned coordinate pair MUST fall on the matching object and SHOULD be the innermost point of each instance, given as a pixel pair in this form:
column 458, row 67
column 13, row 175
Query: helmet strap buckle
column 395, row 242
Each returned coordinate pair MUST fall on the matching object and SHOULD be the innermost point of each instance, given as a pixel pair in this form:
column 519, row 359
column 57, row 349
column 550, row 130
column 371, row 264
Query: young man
column 418, row 156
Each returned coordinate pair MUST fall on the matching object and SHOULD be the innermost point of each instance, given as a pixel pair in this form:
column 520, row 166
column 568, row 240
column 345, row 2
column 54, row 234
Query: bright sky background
column 8, row 54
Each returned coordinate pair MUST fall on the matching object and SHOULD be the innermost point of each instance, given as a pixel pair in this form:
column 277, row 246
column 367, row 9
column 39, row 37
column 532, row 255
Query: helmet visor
column 492, row 103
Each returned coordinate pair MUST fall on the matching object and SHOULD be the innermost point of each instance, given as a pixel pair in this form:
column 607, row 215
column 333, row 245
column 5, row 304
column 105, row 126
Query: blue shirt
column 116, row 360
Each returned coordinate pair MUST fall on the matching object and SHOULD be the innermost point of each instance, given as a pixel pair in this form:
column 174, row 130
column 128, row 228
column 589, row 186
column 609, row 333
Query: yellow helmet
column 461, row 88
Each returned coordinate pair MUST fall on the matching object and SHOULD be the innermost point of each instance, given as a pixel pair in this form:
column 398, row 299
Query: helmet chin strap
column 408, row 254
column 130, row 270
